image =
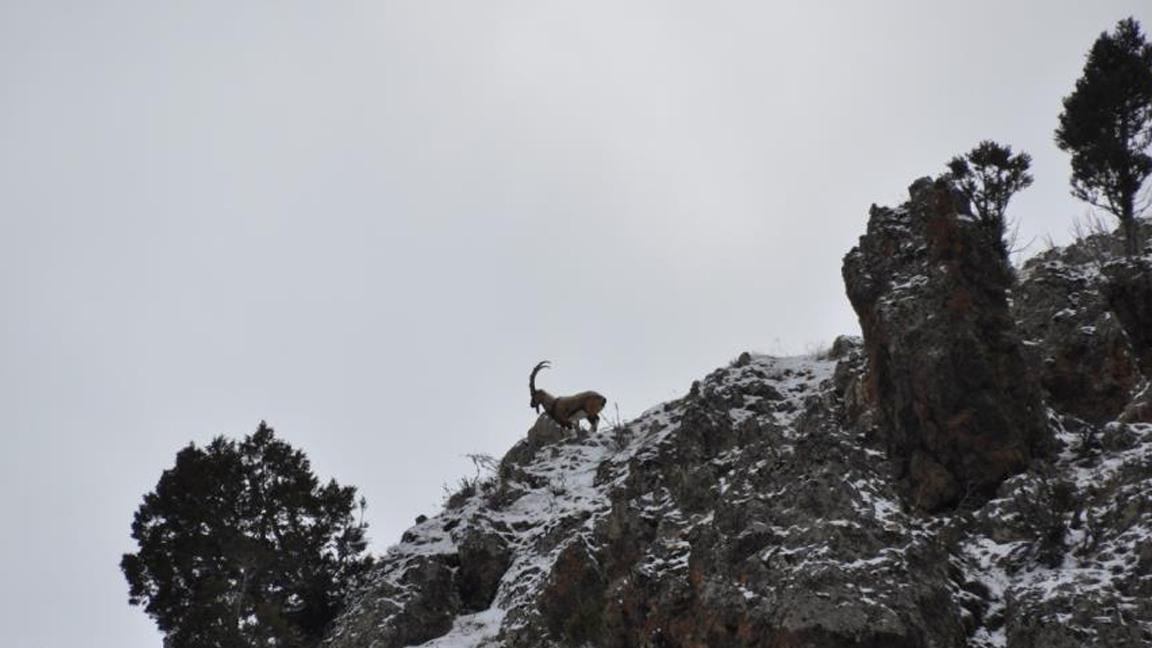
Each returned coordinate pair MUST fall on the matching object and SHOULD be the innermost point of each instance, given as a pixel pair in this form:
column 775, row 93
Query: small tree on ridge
column 988, row 176
column 1107, row 126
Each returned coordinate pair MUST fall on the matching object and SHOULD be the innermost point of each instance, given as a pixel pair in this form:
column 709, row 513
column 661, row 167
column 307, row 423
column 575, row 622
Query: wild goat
column 566, row 410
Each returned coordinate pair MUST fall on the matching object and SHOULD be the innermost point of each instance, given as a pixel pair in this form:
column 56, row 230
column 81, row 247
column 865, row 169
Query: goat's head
column 536, row 401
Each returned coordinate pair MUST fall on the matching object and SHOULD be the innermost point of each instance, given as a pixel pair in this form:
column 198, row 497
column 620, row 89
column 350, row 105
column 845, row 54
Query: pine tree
column 1107, row 125
column 988, row 176
column 240, row 546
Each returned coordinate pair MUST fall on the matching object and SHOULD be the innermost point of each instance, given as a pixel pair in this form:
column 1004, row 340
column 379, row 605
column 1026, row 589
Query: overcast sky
column 365, row 221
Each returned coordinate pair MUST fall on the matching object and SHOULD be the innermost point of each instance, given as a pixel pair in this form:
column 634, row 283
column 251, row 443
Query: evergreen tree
column 240, row 546
column 1107, row 125
column 988, row 176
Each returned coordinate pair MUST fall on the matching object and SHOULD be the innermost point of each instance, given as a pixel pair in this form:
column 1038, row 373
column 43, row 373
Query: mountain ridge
column 935, row 483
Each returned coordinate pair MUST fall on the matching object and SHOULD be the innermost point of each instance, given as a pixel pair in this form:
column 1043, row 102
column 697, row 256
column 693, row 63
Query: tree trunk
column 1128, row 224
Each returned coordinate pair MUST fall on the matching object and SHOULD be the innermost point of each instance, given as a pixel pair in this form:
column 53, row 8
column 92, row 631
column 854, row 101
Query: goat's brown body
column 571, row 409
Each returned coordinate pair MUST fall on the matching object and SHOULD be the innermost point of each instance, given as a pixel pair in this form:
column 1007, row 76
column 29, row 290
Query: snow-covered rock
column 744, row 513
column 770, row 507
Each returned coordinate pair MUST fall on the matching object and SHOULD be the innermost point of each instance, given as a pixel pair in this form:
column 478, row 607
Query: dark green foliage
column 988, row 176
column 1107, row 125
column 241, row 546
column 1047, row 508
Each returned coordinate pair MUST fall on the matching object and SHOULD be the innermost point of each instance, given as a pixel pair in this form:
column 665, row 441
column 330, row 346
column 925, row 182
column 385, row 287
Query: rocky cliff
column 976, row 471
column 958, row 408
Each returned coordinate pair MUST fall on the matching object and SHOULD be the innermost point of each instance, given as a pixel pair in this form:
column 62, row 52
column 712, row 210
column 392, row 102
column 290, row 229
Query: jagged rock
column 768, row 507
column 843, row 346
column 484, row 557
column 431, row 612
column 544, row 432
column 1063, row 544
column 1129, row 291
column 1075, row 343
column 1139, row 410
column 429, row 605
column 572, row 602
column 858, row 411
column 935, row 484
column 946, row 369
column 718, row 523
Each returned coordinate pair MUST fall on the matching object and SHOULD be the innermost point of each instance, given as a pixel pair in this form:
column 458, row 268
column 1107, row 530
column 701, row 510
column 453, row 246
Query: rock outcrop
column 812, row 502
column 1128, row 285
column 960, row 410
column 1085, row 313
column 744, row 514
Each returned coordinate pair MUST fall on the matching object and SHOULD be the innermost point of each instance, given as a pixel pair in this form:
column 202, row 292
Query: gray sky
column 366, row 221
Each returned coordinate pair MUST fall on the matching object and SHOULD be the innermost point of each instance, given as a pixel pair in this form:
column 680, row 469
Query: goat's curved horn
column 544, row 364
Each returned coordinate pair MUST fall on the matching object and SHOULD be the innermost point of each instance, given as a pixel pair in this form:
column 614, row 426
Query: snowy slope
column 794, row 527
